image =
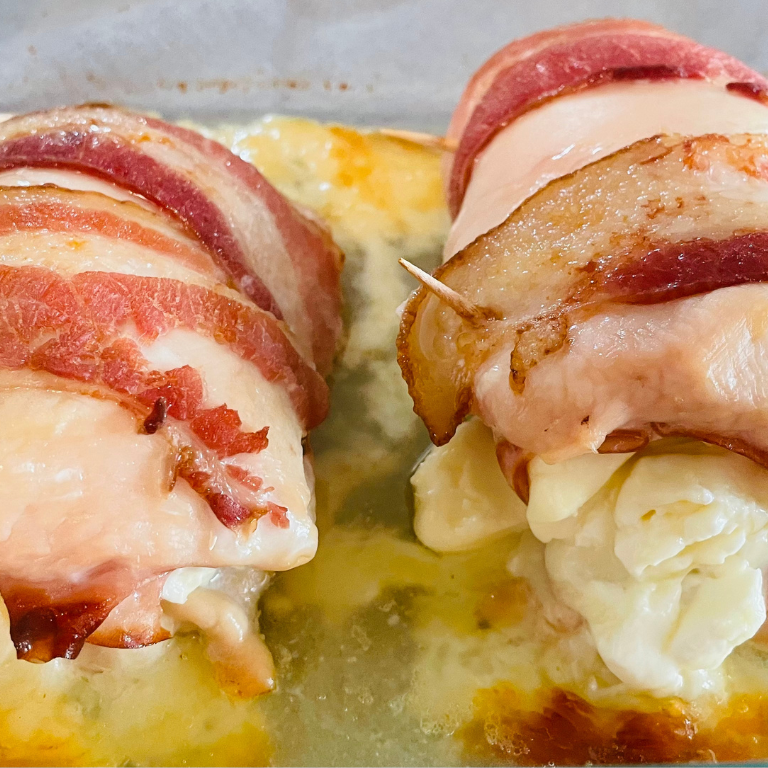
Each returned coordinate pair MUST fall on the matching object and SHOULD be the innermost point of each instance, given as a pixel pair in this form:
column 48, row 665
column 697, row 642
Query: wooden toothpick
column 463, row 307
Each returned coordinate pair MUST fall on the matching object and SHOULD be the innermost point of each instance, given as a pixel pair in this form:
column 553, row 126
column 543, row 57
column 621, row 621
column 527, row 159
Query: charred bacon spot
column 231, row 512
column 41, row 632
column 750, row 90
column 245, row 477
column 216, row 490
column 278, row 515
column 220, row 429
column 156, row 417
column 534, row 342
column 564, row 729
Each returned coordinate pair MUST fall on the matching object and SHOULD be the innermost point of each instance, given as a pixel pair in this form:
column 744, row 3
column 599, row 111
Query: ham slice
column 285, row 262
column 531, row 71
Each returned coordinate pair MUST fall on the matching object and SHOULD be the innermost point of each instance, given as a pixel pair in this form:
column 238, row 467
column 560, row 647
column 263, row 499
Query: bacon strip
column 219, row 428
column 283, row 261
column 91, row 308
column 674, row 270
column 662, row 219
column 84, row 214
column 528, row 72
column 70, row 328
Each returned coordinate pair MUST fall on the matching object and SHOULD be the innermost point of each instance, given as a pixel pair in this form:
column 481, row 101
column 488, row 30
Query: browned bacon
column 662, row 219
column 530, row 71
column 282, row 260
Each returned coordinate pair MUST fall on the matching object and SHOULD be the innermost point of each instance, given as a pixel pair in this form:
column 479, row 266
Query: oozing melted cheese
column 662, row 553
column 462, row 501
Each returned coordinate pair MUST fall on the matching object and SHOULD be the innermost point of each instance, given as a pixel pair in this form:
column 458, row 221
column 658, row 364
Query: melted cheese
column 662, row 552
column 664, row 560
column 243, row 663
column 569, row 132
column 462, row 499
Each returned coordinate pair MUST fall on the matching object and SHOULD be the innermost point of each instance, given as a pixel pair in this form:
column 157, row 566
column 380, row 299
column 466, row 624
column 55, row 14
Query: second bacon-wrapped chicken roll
column 605, row 289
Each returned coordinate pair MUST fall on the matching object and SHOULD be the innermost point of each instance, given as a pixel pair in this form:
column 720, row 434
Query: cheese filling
column 661, row 552
column 664, row 560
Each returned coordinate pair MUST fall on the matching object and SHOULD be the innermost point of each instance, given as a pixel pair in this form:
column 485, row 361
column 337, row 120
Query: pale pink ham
column 282, row 260
column 528, row 72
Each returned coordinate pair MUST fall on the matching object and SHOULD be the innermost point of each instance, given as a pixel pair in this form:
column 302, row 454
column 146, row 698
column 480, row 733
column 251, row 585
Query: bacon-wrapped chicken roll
column 605, row 287
column 160, row 342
